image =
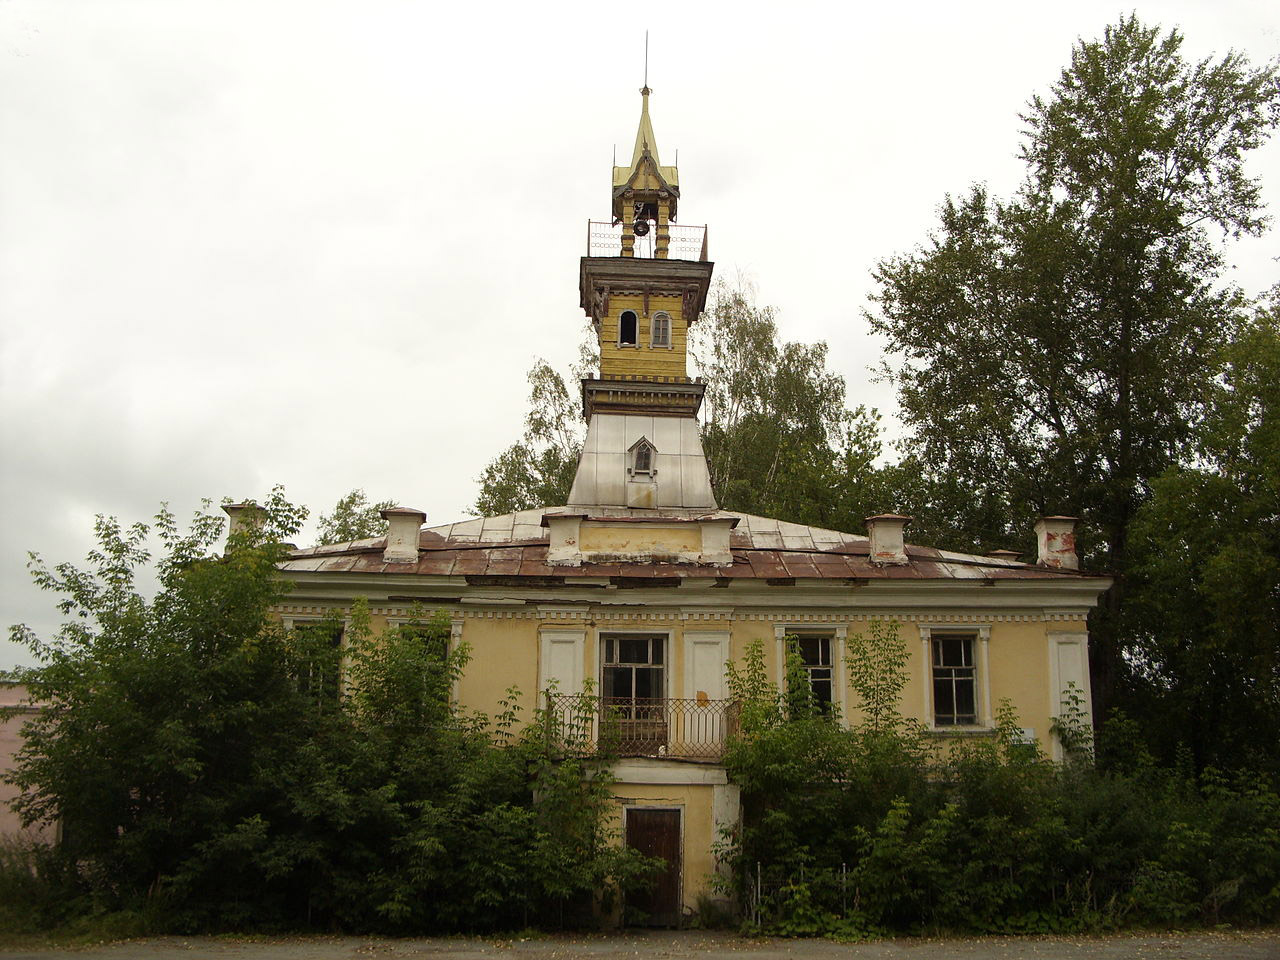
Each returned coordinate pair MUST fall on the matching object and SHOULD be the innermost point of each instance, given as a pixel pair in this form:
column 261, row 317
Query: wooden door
column 656, row 833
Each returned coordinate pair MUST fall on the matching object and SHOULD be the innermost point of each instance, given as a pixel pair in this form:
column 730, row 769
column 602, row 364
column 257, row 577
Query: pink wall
column 12, row 694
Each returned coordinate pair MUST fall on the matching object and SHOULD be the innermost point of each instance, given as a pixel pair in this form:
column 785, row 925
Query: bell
column 641, row 228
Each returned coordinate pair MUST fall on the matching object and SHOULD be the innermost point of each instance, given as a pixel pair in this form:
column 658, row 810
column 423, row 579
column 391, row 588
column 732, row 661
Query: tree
column 1059, row 350
column 204, row 779
column 538, row 469
column 169, row 723
column 778, row 436
column 1204, row 614
column 354, row 518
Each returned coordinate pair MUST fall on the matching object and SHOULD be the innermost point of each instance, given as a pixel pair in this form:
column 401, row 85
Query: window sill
column 962, row 731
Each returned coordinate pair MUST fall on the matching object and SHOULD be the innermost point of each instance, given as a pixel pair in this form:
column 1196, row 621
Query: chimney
column 402, row 535
column 885, row 532
column 1056, row 543
column 242, row 517
column 1005, row 555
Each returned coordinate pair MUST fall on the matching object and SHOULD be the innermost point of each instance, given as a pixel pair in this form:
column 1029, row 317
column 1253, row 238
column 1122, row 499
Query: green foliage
column 1205, row 609
column 877, row 664
column 867, row 831
column 538, row 469
column 1058, row 351
column 779, row 439
column 212, row 771
column 354, row 518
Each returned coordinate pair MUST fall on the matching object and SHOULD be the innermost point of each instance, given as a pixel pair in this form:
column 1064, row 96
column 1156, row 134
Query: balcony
column 672, row 729
column 687, row 241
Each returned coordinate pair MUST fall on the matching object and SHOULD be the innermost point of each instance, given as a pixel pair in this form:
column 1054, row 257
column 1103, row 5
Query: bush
column 210, row 774
column 850, row 832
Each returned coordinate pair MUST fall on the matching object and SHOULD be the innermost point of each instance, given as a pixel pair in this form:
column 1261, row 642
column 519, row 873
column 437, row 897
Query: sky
column 320, row 244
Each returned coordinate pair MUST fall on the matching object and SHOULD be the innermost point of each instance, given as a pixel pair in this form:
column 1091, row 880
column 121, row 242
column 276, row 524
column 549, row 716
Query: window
column 633, row 681
column 633, row 667
column 820, row 648
column 815, row 653
column 955, row 700
column 319, row 647
column 627, row 329
column 642, row 455
column 434, row 638
column 661, row 330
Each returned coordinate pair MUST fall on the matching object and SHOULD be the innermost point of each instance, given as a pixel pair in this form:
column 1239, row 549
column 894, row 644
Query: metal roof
column 515, row 545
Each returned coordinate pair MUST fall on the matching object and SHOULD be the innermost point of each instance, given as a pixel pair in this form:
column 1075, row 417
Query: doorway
column 655, row 832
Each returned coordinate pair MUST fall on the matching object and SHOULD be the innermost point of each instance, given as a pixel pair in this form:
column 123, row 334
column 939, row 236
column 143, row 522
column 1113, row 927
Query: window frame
column 633, row 455
column 837, row 634
column 663, row 636
column 292, row 623
column 654, row 342
column 980, row 634
column 633, row 344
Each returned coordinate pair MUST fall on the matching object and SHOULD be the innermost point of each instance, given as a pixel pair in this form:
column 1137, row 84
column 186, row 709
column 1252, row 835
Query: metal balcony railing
column 688, row 242
column 679, row 729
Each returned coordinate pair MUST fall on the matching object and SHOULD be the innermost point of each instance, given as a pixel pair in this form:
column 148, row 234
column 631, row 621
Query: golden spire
column 645, row 140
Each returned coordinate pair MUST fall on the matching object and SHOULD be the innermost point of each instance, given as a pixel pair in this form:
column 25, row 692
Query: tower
column 643, row 451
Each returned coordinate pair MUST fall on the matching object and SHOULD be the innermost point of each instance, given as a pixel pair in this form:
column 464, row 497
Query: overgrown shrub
column 873, row 828
column 209, row 773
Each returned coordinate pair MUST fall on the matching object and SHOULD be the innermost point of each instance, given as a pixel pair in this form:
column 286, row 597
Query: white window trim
column 629, row 346
column 1057, row 688
column 455, row 638
column 652, row 323
column 668, row 668
column 344, row 644
column 981, row 674
column 692, row 638
column 839, row 634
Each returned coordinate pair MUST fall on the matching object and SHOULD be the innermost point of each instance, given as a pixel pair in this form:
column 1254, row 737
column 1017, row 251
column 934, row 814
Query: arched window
column 627, row 329
column 661, row 330
column 642, row 456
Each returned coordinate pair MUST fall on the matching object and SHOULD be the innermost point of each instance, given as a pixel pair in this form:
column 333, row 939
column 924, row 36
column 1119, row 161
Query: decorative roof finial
column 644, row 91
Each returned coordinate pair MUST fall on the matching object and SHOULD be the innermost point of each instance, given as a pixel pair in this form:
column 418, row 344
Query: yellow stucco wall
column 506, row 652
column 695, row 801
column 635, row 538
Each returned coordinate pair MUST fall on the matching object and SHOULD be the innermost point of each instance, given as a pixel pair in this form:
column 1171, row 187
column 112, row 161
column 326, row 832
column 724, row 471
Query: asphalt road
column 685, row 945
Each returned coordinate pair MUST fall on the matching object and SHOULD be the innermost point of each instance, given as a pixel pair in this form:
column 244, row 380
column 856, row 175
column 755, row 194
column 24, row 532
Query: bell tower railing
column 688, row 242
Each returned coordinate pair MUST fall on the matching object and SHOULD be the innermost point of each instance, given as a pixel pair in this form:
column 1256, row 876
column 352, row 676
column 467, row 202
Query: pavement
column 682, row 945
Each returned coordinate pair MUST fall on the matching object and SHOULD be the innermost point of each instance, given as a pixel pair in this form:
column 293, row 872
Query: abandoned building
column 629, row 600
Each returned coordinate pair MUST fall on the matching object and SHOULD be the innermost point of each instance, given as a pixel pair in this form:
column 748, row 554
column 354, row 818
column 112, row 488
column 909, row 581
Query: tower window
column 627, row 326
column 642, row 459
column 661, row 330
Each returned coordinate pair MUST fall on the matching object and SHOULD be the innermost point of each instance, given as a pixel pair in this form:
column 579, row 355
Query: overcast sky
column 319, row 244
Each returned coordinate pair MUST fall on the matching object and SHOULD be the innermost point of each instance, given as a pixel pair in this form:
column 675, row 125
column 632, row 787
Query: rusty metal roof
column 515, row 545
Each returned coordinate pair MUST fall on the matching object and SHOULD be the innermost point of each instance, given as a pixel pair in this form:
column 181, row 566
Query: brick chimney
column 402, row 536
column 1056, row 543
column 885, row 532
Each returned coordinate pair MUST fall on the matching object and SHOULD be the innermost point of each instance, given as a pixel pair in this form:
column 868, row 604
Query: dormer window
column 628, row 327
column 642, row 458
column 661, row 330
